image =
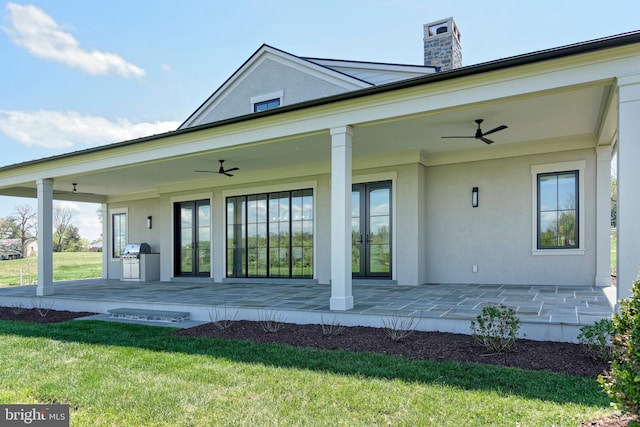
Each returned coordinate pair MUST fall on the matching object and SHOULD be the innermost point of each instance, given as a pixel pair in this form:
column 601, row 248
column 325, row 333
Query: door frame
column 190, row 198
column 391, row 176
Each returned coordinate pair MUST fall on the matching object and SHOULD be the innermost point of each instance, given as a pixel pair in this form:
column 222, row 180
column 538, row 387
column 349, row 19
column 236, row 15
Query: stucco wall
column 269, row 77
column 137, row 213
column 438, row 236
column 497, row 235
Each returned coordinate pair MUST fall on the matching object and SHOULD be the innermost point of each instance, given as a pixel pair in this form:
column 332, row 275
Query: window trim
column 580, row 166
column 268, row 222
column 312, row 185
column 279, row 95
column 112, row 212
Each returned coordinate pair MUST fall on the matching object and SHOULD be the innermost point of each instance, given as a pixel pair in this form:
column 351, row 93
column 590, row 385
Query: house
column 341, row 172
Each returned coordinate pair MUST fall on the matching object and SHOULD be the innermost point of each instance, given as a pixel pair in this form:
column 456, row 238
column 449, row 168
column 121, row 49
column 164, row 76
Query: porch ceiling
column 532, row 120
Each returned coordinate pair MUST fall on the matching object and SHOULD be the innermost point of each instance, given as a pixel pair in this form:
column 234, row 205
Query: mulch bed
column 565, row 358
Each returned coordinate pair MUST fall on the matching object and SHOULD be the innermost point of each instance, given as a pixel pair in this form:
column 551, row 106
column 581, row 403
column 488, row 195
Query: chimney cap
column 442, row 26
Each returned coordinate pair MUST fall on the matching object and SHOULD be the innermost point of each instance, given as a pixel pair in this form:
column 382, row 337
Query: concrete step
column 149, row 315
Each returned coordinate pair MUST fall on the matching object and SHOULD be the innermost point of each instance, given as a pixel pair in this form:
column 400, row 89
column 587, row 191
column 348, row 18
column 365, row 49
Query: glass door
column 371, row 230
column 192, row 238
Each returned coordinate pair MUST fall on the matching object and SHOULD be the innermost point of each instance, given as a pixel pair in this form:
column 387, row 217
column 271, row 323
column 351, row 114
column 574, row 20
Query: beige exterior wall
column 437, row 235
column 497, row 235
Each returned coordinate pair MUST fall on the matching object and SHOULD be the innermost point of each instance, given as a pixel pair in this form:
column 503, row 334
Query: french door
column 192, row 229
column 371, row 230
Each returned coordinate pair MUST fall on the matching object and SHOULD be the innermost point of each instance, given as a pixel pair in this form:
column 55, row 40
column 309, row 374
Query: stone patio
column 546, row 312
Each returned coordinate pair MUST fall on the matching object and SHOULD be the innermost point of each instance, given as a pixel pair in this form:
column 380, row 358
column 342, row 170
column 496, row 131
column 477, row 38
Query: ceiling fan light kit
column 479, row 134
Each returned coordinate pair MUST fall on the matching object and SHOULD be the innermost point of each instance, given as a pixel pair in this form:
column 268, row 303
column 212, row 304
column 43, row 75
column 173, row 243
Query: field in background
column 66, row 266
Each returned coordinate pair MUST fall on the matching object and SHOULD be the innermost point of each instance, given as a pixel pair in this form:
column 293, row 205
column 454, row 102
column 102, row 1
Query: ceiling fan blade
column 457, row 137
column 232, row 169
column 228, row 174
column 207, row 171
column 486, row 140
column 499, row 128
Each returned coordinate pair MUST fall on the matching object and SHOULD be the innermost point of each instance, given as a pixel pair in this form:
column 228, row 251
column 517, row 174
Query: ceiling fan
column 479, row 134
column 221, row 170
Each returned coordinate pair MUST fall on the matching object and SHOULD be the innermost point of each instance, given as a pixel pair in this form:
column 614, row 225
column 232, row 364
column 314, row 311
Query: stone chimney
column 442, row 45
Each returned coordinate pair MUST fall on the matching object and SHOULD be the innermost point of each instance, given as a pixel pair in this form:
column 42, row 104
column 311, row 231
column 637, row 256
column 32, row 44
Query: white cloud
column 71, row 130
column 43, row 37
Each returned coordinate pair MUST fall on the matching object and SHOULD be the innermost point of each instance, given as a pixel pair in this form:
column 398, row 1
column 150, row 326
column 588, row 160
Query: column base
column 603, row 281
column 43, row 291
column 341, row 303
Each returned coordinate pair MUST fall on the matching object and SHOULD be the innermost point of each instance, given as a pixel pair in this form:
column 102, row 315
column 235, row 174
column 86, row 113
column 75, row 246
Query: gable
column 268, row 74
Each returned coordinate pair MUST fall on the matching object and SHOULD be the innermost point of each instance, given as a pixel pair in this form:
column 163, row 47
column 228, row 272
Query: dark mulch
column 41, row 315
column 549, row 356
column 559, row 357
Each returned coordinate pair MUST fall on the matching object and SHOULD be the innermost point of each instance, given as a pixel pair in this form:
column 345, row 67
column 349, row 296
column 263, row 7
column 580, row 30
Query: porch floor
column 443, row 307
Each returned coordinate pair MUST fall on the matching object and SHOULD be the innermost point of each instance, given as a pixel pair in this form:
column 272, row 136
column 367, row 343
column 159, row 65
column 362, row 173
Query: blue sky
column 78, row 73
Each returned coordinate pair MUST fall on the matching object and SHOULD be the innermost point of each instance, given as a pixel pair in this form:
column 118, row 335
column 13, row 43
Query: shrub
column 398, row 328
column 333, row 328
column 220, row 318
column 271, row 322
column 596, row 339
column 496, row 328
column 622, row 383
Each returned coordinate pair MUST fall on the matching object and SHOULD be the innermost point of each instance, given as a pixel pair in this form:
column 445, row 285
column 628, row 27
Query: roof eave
column 485, row 67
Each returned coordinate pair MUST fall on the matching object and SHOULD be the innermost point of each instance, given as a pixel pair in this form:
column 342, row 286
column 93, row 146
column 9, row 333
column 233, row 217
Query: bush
column 622, row 384
column 496, row 329
column 596, row 339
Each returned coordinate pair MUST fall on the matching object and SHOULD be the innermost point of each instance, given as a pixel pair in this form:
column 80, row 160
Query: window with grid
column 270, row 235
column 558, row 226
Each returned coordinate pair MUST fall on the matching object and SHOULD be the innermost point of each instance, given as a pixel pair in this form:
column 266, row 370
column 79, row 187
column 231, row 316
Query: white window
column 268, row 101
column 558, row 208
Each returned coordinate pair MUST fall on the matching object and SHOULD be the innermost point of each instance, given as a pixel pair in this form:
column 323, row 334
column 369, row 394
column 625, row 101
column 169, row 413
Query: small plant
column 399, row 327
column 331, row 329
column 42, row 305
column 220, row 318
column 17, row 309
column 271, row 322
column 622, row 384
column 496, row 328
column 596, row 339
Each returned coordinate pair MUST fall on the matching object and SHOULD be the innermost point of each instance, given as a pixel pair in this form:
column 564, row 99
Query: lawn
column 66, row 266
column 132, row 375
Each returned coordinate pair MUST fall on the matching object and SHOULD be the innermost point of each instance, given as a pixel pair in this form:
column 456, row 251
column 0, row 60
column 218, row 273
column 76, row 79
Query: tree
column 8, row 228
column 26, row 219
column 614, row 201
column 65, row 235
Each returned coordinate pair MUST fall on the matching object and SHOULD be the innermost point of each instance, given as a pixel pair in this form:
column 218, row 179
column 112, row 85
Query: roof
column 486, row 67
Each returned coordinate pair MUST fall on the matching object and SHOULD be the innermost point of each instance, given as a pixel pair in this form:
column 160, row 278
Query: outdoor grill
column 131, row 260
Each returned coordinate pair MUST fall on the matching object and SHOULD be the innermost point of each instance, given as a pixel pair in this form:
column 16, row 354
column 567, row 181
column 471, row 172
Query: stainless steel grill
column 131, row 260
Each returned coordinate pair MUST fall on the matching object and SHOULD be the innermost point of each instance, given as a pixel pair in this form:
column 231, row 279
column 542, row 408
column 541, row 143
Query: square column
column 603, row 216
column 628, row 179
column 45, row 237
column 341, row 293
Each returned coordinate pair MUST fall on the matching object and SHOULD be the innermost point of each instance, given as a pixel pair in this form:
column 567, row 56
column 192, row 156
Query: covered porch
column 546, row 312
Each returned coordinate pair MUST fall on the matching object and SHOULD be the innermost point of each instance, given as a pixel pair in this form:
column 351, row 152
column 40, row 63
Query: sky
column 76, row 74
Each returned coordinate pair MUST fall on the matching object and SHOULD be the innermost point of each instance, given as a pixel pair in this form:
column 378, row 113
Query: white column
column 628, row 182
column 45, row 237
column 341, row 294
column 105, row 240
column 603, row 216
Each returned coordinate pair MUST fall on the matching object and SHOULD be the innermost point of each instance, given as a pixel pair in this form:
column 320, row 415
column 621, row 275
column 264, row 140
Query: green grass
column 66, row 266
column 132, row 375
